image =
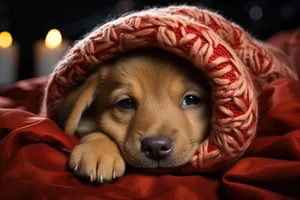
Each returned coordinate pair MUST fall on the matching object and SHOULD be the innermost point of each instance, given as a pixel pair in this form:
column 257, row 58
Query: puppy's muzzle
column 157, row 148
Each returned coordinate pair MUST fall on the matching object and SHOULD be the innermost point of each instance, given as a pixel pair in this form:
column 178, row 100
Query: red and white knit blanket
column 237, row 65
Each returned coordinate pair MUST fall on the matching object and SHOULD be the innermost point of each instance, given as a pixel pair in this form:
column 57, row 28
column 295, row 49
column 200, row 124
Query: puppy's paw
column 97, row 161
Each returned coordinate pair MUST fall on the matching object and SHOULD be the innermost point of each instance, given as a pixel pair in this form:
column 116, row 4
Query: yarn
column 237, row 65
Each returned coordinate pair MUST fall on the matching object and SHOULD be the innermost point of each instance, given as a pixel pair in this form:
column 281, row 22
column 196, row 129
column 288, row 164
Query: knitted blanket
column 237, row 66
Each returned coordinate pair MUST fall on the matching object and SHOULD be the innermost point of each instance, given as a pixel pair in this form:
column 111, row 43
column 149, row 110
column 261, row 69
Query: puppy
column 147, row 108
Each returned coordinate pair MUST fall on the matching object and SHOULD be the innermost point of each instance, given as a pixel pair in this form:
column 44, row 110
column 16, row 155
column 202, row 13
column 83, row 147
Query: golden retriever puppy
column 147, row 108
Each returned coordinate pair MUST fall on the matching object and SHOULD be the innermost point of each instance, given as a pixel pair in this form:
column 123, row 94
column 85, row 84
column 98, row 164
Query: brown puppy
column 147, row 107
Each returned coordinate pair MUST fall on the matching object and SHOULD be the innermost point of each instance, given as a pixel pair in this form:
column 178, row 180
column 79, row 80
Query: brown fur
column 157, row 81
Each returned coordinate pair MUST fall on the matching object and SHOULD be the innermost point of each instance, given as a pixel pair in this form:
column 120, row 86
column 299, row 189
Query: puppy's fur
column 157, row 84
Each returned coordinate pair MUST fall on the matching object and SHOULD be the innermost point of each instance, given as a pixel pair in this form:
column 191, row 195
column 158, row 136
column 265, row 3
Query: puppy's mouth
column 161, row 163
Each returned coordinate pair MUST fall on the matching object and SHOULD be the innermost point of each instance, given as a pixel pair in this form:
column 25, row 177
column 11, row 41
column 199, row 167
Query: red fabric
column 33, row 159
column 34, row 152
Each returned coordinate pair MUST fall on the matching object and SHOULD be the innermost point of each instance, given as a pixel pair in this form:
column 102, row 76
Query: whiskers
column 192, row 142
column 188, row 150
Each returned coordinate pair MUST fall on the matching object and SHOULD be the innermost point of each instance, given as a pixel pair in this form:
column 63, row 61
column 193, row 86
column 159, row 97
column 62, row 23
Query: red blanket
column 34, row 153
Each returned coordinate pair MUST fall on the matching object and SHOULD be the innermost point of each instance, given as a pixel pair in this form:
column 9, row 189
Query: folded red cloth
column 34, row 153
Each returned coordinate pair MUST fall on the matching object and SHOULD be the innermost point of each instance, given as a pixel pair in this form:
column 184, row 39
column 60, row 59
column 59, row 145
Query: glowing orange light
column 53, row 39
column 6, row 39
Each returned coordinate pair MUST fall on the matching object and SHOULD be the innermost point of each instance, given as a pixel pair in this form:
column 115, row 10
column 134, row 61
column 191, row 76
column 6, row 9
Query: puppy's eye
column 126, row 103
column 191, row 100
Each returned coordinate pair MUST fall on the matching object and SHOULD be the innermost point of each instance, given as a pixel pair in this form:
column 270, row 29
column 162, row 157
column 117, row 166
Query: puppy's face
column 154, row 108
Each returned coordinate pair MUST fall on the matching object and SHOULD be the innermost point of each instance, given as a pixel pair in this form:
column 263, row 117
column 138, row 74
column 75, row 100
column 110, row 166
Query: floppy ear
column 84, row 100
column 72, row 107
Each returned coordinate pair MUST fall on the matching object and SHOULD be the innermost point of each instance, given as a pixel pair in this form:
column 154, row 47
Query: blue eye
column 126, row 103
column 190, row 100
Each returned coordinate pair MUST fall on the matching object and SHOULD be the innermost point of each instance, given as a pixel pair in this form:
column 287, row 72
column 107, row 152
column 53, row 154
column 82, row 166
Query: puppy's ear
column 71, row 109
column 84, row 100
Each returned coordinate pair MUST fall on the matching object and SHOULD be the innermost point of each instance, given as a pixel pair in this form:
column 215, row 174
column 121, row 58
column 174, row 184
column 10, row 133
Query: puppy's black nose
column 157, row 148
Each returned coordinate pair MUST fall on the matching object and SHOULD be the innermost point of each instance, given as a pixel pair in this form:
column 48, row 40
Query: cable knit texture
column 237, row 65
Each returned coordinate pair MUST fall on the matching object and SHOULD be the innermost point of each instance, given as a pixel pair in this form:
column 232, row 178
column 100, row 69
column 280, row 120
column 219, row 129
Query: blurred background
column 34, row 34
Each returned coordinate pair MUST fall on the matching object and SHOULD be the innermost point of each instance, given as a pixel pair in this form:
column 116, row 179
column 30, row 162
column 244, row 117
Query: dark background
column 29, row 20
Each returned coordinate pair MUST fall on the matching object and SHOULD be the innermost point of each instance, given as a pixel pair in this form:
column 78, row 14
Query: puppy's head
column 154, row 105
